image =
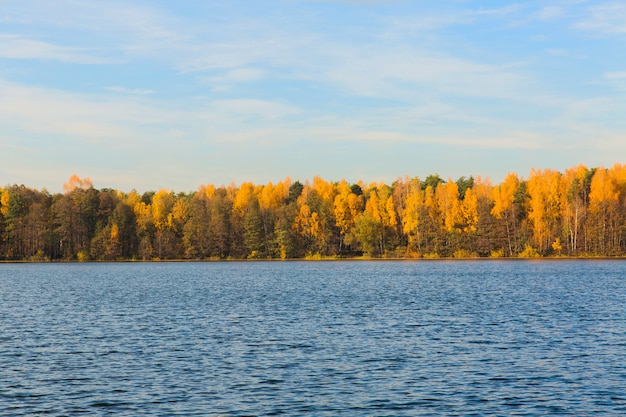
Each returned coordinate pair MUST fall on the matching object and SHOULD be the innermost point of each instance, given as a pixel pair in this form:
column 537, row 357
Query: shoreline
column 329, row 259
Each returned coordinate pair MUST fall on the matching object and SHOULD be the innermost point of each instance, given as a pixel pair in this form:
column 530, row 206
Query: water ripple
column 327, row 339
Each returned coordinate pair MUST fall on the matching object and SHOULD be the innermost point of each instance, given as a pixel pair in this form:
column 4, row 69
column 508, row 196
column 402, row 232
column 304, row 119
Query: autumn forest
column 578, row 212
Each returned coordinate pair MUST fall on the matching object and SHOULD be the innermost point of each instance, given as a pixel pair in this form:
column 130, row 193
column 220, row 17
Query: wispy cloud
column 19, row 47
column 227, row 80
column 548, row 13
column 608, row 19
column 615, row 75
column 616, row 80
column 387, row 74
column 61, row 113
column 131, row 91
column 251, row 107
column 116, row 29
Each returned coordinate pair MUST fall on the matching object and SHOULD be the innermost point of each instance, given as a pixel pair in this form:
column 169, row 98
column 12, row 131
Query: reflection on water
column 320, row 338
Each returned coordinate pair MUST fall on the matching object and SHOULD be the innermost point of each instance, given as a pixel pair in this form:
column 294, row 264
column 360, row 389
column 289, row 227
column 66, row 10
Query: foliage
column 529, row 252
column 579, row 212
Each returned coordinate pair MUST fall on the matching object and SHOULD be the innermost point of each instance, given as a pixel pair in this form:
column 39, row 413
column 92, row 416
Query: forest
column 578, row 212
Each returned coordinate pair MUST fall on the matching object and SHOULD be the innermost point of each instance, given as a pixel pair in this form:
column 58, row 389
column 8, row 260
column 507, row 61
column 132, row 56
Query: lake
column 375, row 338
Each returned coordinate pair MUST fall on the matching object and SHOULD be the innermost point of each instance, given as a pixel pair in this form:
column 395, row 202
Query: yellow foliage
column 448, row 201
column 469, row 208
column 346, row 207
column 391, row 215
column 578, row 172
column 529, row 252
column 162, row 203
column 301, row 222
column 544, row 188
column 463, row 253
column 115, row 232
column 132, row 198
column 430, row 202
column 76, row 182
column 314, row 223
column 4, row 202
column 618, row 174
column 273, row 196
column 603, row 191
column 483, row 188
column 243, row 197
column 410, row 214
column 180, row 212
column 504, row 195
column 207, row 190
column 143, row 212
column 372, row 206
column 326, row 190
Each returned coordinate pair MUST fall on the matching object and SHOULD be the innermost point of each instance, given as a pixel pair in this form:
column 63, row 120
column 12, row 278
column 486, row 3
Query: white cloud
column 606, row 19
column 234, row 77
column 617, row 80
column 131, row 91
column 548, row 13
column 115, row 28
column 19, row 47
column 35, row 110
column 251, row 107
column 411, row 75
column 499, row 11
column 615, row 75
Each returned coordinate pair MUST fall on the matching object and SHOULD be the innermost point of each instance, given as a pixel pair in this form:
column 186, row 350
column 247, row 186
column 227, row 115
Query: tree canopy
column 579, row 212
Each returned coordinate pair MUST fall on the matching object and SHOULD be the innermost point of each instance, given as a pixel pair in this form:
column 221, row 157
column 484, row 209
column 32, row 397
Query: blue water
column 314, row 338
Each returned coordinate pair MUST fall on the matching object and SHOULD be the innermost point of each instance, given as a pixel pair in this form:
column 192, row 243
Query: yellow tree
column 382, row 214
column 391, row 214
column 372, row 206
column 179, row 215
column 447, row 195
column 272, row 197
column 247, row 221
column 618, row 174
column 503, row 207
column 434, row 234
column 544, row 188
column 603, row 204
column 326, row 190
column 372, row 230
column 114, row 245
column 469, row 211
column 320, row 197
column 243, row 198
column 576, row 183
column 162, row 205
column 207, row 190
column 413, row 203
column 76, row 182
column 483, row 235
column 346, row 208
column 307, row 225
column 4, row 201
column 272, row 200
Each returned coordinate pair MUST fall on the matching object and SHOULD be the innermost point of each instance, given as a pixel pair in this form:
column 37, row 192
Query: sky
column 144, row 95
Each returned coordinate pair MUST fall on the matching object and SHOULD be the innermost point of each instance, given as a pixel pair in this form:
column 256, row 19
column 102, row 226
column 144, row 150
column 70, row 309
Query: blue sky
column 175, row 94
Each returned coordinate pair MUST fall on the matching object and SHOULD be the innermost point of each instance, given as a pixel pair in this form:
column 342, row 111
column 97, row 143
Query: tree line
column 578, row 212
